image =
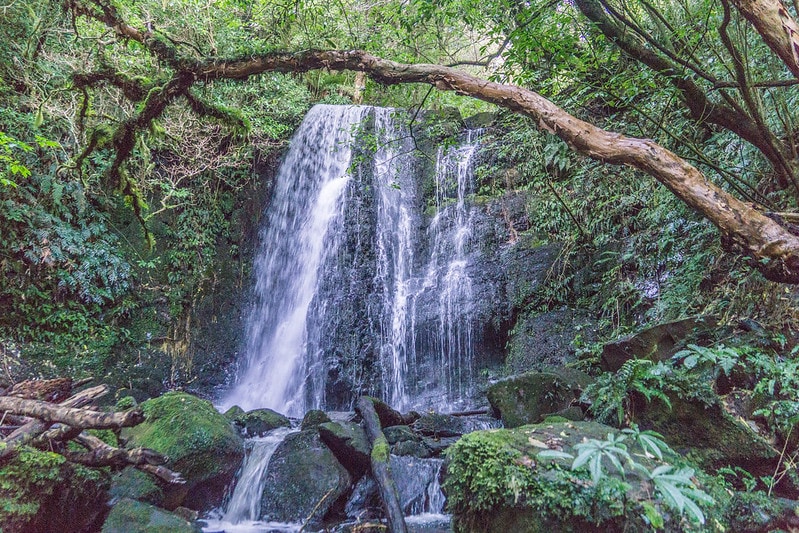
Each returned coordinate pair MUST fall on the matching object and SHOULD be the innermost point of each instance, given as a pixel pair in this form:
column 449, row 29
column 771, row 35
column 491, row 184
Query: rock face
column 657, row 343
column 302, row 473
column 547, row 339
column 131, row 516
column 495, row 483
column 529, row 398
column 201, row 444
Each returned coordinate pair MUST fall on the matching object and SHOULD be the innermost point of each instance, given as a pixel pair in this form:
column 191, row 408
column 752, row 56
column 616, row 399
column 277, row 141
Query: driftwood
column 50, row 426
column 380, row 466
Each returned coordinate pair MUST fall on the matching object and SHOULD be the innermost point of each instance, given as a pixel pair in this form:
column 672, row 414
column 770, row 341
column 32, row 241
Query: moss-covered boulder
column 303, row 478
column 258, row 422
column 313, row 418
column 131, row 516
column 711, row 436
column 441, row 425
column 41, row 491
column 349, row 444
column 496, row 483
column 135, row 484
column 200, row 442
column 656, row 343
column 528, row 398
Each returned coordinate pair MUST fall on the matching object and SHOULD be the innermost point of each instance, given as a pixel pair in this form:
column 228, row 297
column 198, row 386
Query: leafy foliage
column 675, row 487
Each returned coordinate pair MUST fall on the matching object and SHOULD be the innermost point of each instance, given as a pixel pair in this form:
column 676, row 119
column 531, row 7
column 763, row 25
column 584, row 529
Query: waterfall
column 352, row 278
column 245, row 502
column 294, row 243
column 447, row 282
column 397, row 232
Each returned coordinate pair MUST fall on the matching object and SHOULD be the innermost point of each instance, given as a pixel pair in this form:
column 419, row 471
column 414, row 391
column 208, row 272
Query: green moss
column 130, row 516
column 496, row 483
column 41, row 491
column 200, row 443
column 380, row 450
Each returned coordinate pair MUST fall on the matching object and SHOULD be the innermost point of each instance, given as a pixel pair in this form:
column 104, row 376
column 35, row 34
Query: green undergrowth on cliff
column 632, row 253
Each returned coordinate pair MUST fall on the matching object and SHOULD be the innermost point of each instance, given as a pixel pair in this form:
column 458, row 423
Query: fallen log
column 81, row 418
column 33, row 429
column 54, row 425
column 101, row 454
column 380, row 466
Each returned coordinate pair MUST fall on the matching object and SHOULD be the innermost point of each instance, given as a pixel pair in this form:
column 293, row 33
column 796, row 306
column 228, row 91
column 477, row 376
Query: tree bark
column 380, row 466
column 775, row 25
column 79, row 418
column 35, row 428
column 774, row 248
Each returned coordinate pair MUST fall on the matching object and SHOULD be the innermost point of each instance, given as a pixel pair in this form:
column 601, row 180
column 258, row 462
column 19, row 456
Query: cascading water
column 449, row 346
column 295, row 242
column 245, row 502
column 329, row 293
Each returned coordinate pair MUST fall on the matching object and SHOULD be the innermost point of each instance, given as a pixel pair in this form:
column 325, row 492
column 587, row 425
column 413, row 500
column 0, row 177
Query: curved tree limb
column 701, row 108
column 774, row 249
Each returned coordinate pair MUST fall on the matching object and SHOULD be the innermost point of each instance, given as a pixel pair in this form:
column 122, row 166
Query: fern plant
column 610, row 396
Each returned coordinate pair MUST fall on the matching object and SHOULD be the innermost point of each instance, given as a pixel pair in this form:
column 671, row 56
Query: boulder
column 441, row 425
column 657, row 343
column 548, row 339
column 303, row 478
column 349, row 444
column 395, row 434
column 258, row 422
column 313, row 418
column 135, row 484
column 200, row 442
column 712, row 437
column 131, row 516
column 530, row 397
column 233, row 413
column 495, row 483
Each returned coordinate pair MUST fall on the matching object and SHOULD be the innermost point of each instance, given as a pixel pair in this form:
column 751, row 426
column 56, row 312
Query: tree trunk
column 775, row 25
column 380, row 466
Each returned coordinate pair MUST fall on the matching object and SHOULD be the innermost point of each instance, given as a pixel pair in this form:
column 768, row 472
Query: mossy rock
column 258, row 422
column 395, row 434
column 495, row 482
column 528, row 398
column 303, row 478
column 135, row 484
column 711, row 436
column 313, row 418
column 200, row 442
column 350, row 445
column 441, row 425
column 41, row 491
column 233, row 413
column 131, row 516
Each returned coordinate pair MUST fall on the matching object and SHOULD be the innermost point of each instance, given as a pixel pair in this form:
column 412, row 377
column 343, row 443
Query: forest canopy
column 154, row 56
